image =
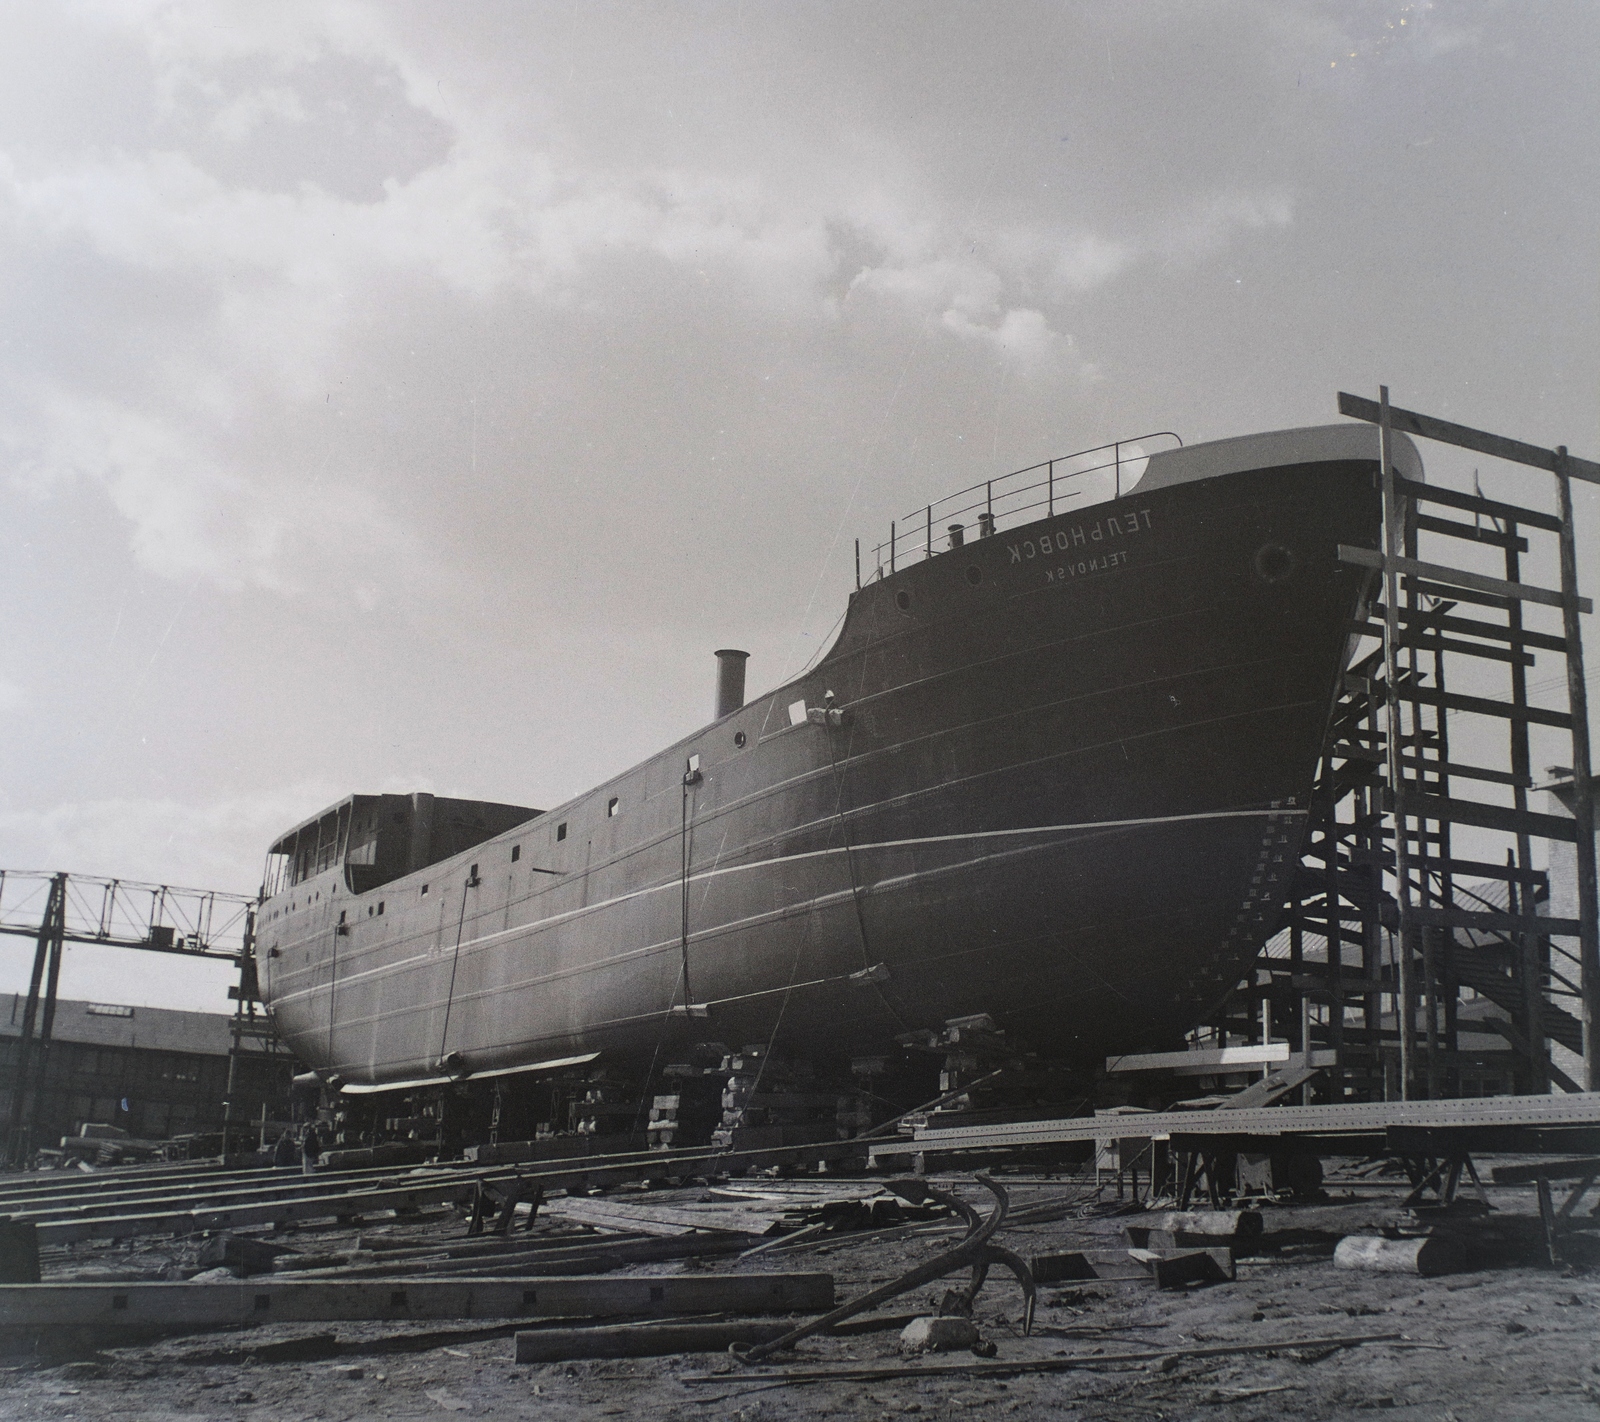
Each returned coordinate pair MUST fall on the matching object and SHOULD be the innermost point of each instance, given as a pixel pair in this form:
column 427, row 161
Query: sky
column 402, row 396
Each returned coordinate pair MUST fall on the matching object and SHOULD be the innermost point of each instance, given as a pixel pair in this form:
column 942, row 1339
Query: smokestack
column 730, row 681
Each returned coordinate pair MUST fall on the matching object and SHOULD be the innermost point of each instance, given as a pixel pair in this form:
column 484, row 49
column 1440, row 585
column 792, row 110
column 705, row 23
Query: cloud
column 192, row 515
column 245, row 113
column 278, row 277
column 11, row 695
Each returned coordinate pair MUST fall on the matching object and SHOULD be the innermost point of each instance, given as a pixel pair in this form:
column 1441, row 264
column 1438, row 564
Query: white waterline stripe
column 487, row 940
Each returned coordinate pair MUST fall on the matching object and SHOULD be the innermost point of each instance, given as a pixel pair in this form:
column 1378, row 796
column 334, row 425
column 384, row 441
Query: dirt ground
column 1505, row 1341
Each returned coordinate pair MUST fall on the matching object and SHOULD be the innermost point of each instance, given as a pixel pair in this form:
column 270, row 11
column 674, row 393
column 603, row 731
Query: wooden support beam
column 1496, row 817
column 255, row 1301
column 1488, row 920
column 1440, row 621
column 1464, row 437
column 1471, row 533
column 1549, row 1169
column 1457, row 578
column 1484, row 706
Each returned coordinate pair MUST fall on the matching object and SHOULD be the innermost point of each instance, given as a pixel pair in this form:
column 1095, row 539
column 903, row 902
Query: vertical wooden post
column 1391, row 667
column 1582, row 786
column 1530, row 964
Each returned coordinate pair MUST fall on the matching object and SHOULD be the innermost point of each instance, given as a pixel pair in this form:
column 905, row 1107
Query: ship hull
column 1065, row 784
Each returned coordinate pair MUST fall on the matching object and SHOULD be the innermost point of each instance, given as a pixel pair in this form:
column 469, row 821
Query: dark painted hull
column 1067, row 790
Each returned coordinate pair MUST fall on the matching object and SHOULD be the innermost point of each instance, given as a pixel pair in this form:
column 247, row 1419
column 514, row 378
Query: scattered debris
column 938, row 1335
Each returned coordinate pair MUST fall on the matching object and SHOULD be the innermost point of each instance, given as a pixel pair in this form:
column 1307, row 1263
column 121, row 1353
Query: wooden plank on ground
column 332, row 1206
column 664, row 1219
column 252, row 1301
column 285, row 1187
column 599, row 1256
column 1123, row 1265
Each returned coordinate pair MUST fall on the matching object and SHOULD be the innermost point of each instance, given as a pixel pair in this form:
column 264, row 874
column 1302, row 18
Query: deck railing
column 1089, row 477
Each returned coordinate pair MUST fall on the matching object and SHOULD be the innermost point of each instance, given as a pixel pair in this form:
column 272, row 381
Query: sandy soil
column 1507, row 1341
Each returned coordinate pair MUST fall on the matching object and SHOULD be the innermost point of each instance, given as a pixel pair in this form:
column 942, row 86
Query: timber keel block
column 180, row 1306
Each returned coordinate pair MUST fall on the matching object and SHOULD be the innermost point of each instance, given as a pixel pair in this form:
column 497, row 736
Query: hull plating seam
column 804, row 907
column 706, row 825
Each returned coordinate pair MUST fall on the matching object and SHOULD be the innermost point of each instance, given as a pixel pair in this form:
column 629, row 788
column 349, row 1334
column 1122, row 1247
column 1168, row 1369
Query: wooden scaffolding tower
column 1399, row 917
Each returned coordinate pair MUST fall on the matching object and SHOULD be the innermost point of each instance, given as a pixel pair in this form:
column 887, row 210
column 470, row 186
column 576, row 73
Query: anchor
column 974, row 1252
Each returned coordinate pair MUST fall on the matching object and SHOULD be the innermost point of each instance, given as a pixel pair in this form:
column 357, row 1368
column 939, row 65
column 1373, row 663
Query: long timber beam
column 156, row 1306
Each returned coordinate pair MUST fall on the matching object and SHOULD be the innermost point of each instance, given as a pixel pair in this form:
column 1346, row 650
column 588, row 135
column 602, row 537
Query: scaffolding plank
column 1499, row 632
column 1464, row 437
column 1495, row 817
column 1482, row 706
column 1457, row 577
column 1436, row 644
column 1471, row 533
column 1482, row 869
column 1478, row 504
column 1454, row 592
column 1467, row 772
column 1361, row 753
column 1201, row 1059
column 1536, row 925
column 1470, row 626
column 252, row 1301
column 1348, row 985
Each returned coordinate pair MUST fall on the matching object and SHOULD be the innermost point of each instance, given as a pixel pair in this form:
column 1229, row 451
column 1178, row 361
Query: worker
column 310, row 1148
column 283, row 1152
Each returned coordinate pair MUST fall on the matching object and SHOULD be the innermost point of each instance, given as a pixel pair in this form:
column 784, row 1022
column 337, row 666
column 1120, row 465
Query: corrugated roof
column 154, row 1029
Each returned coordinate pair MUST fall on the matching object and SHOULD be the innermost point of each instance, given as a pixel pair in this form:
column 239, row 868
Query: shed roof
column 100, row 1024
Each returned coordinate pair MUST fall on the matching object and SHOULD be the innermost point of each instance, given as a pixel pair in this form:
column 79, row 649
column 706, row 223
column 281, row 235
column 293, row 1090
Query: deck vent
column 730, row 681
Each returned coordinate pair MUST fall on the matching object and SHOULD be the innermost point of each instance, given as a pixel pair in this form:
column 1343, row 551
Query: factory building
column 152, row 1072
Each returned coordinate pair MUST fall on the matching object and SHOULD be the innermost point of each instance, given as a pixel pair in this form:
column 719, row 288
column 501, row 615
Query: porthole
column 974, row 575
column 902, row 600
column 1274, row 563
column 739, row 739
